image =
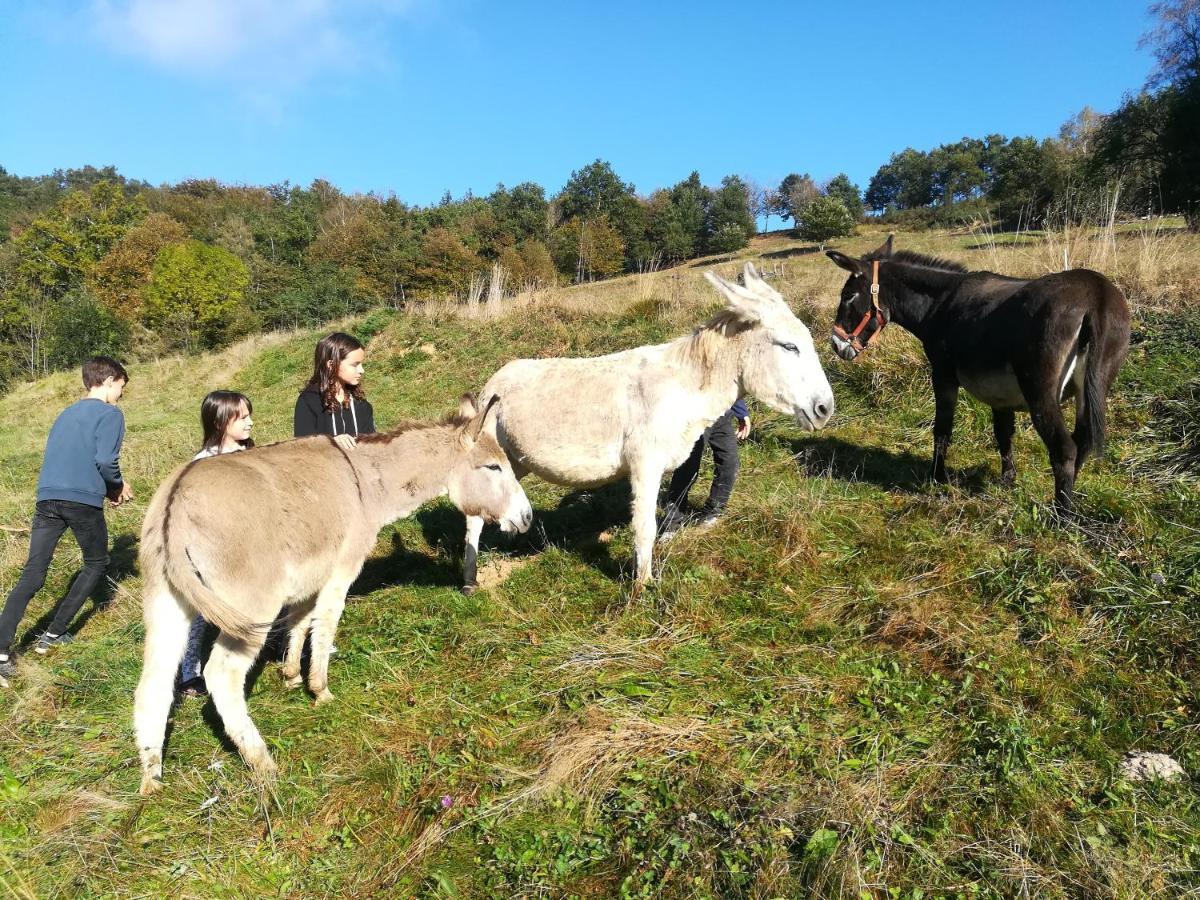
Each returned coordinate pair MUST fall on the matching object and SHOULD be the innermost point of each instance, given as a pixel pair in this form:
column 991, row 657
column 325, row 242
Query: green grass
column 859, row 684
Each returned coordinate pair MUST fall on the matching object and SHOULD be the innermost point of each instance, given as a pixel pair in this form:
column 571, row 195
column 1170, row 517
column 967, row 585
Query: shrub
column 728, row 238
column 824, row 218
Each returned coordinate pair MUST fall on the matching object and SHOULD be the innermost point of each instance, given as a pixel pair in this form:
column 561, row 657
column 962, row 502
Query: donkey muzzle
column 842, row 347
column 517, row 519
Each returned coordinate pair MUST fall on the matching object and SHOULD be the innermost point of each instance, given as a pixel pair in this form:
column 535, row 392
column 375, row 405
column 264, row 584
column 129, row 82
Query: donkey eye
column 494, row 467
column 790, row 348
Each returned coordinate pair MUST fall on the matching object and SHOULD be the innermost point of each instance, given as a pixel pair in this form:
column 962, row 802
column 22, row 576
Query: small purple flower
column 447, row 801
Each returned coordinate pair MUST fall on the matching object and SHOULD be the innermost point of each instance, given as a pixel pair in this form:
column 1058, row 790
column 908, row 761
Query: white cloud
column 260, row 45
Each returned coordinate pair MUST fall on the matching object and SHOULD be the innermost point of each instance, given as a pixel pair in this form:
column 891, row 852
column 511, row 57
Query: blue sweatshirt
column 81, row 461
column 739, row 409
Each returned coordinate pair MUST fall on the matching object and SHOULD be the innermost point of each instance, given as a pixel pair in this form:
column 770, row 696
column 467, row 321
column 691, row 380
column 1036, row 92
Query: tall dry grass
column 1151, row 260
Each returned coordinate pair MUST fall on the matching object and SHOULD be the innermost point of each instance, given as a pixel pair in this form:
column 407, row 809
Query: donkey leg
column 299, row 624
column 1048, row 420
column 1004, row 424
column 945, row 391
column 1082, row 434
column 167, row 623
column 331, row 601
column 644, row 482
column 225, row 675
column 471, row 554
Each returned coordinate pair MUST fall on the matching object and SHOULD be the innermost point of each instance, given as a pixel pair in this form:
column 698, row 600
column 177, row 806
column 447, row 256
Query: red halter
column 874, row 312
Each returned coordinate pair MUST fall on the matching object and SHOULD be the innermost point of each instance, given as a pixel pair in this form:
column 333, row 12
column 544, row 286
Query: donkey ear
column 885, row 251
column 750, row 274
column 849, row 263
column 741, row 300
column 476, row 425
column 466, row 407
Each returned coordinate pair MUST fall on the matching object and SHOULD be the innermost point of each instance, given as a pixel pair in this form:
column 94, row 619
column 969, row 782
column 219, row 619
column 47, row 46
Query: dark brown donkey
column 1014, row 343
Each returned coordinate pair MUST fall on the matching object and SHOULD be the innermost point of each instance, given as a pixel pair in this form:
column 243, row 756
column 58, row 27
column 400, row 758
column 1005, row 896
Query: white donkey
column 588, row 422
column 238, row 537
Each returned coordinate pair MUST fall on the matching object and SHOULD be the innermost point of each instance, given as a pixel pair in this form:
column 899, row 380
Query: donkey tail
column 1107, row 327
column 1095, row 393
column 165, row 559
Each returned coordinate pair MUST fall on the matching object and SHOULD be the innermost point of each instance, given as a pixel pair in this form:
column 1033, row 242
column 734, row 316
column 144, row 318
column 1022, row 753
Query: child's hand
column 743, row 429
column 345, row 441
column 116, row 498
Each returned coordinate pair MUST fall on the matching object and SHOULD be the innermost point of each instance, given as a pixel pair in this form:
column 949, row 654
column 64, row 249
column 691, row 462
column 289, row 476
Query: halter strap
column 874, row 312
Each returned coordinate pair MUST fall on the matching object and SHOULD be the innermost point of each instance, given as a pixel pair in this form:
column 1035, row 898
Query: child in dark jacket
column 80, row 468
column 722, row 437
column 332, row 402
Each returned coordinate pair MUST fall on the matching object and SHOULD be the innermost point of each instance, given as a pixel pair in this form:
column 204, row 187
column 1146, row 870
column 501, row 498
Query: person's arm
column 743, row 418
column 110, row 431
column 304, row 422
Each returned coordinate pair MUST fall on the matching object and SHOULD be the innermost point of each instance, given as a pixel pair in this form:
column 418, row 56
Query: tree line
column 91, row 261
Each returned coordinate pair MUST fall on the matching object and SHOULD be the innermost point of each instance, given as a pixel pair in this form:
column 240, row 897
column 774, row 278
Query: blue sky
column 416, row 97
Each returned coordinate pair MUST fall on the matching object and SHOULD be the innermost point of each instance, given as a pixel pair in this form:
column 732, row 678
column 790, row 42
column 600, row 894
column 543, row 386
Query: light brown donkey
column 238, row 537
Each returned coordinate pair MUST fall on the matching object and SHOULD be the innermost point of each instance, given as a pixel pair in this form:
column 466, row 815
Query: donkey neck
column 398, row 472
column 711, row 360
column 910, row 293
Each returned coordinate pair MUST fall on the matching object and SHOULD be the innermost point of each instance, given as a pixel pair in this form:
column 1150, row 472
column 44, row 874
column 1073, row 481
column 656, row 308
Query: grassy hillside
column 858, row 685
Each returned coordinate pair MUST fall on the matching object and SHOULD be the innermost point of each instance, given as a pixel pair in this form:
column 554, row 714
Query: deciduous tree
column 195, row 292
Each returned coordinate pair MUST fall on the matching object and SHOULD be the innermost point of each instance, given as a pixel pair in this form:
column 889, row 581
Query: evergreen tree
column 794, row 192
column 595, row 192
column 841, row 187
column 730, row 220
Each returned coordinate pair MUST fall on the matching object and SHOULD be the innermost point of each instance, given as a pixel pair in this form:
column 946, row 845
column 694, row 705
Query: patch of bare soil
column 498, row 569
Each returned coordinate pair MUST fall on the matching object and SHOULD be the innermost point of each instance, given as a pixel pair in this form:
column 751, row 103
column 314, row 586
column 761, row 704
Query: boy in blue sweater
column 79, row 470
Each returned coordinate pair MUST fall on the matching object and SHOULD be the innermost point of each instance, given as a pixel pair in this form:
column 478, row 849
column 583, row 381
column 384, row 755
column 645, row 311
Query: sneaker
column 674, row 518
column 670, row 527
column 194, row 687
column 708, row 518
column 48, row 640
column 668, row 533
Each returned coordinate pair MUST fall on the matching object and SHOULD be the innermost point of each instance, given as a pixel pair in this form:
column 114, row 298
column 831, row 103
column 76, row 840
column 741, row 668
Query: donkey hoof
column 261, row 764
column 150, row 785
column 1008, row 478
column 1064, row 513
column 291, row 682
column 469, row 589
column 323, row 697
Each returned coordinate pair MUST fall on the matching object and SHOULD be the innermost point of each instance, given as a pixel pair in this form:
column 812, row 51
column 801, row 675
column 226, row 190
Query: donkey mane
column 912, row 258
column 702, row 347
column 409, row 425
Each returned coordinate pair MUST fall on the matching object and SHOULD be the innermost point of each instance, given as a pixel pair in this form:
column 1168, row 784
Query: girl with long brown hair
column 332, row 402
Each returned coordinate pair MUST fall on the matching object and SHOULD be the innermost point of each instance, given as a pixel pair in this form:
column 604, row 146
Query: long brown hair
column 327, row 358
column 217, row 410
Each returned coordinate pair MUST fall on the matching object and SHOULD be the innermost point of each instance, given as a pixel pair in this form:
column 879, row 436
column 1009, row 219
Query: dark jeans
column 721, row 437
column 50, row 519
